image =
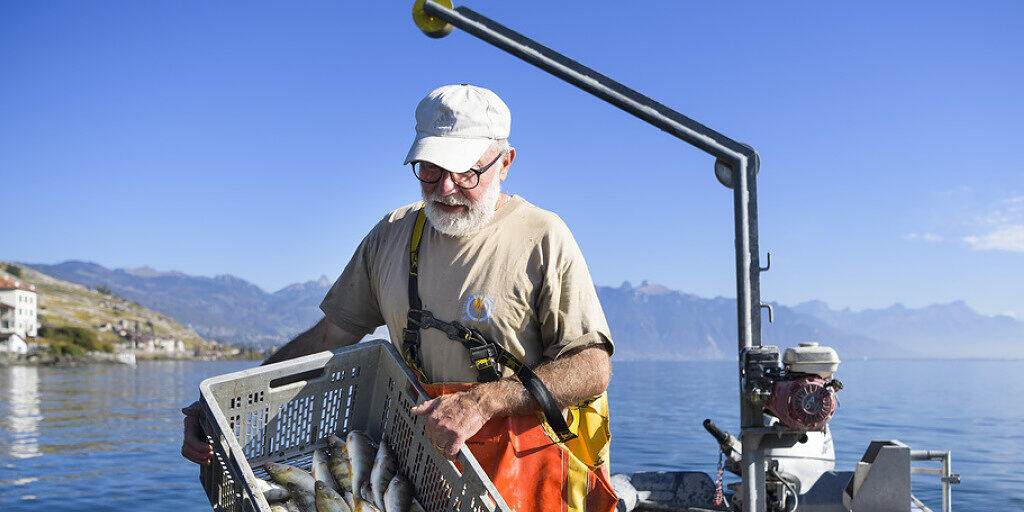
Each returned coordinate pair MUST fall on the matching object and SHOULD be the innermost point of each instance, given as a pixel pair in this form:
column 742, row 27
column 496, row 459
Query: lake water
column 107, row 437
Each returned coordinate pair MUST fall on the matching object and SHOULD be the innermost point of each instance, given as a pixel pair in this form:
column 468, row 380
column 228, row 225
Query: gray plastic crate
column 284, row 411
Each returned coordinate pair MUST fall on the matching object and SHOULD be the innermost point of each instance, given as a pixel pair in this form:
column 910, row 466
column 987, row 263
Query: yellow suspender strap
column 411, row 333
column 414, row 246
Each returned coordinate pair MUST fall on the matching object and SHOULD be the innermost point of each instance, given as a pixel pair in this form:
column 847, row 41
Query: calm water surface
column 107, row 437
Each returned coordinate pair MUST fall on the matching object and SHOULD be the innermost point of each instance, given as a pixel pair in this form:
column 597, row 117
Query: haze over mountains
column 647, row 321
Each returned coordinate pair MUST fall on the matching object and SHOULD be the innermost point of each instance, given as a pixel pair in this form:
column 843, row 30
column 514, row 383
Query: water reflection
column 107, row 437
column 21, row 415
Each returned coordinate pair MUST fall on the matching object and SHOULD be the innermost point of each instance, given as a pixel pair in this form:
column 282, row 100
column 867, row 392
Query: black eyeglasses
column 430, row 173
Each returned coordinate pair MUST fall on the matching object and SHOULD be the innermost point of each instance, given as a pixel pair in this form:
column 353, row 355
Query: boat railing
column 946, row 475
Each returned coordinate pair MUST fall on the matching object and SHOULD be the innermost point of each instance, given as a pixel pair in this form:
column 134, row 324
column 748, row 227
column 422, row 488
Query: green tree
column 13, row 270
column 81, row 337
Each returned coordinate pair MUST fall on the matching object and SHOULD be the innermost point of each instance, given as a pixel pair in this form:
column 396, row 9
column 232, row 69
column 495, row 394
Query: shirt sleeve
column 351, row 303
column 569, row 312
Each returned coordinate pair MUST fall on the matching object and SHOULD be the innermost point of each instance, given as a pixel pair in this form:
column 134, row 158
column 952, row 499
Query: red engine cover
column 806, row 403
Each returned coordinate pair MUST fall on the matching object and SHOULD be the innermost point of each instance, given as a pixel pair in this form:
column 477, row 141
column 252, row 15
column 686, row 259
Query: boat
column 784, row 453
column 127, row 357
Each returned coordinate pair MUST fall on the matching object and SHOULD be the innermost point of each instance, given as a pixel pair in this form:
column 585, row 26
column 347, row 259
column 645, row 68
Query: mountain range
column 223, row 308
column 67, row 304
column 647, row 321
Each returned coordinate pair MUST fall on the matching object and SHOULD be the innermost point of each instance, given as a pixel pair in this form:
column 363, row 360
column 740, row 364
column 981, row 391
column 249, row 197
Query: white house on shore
column 18, row 309
column 12, row 343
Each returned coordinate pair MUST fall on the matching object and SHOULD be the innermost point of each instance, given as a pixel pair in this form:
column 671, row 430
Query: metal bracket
column 768, row 262
column 771, row 312
column 775, row 436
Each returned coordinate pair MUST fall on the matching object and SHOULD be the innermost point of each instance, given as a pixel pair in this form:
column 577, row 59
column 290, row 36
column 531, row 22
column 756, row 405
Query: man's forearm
column 570, row 379
column 322, row 336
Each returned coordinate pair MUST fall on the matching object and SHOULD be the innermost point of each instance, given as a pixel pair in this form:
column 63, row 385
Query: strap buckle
column 410, row 338
column 411, row 344
column 419, row 318
column 483, row 358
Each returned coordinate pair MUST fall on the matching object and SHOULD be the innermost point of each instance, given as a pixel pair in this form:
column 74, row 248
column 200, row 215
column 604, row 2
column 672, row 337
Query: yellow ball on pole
column 431, row 26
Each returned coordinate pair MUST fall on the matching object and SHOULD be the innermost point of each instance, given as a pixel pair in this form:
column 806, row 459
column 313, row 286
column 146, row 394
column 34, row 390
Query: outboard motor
column 798, row 394
column 804, row 395
column 800, row 391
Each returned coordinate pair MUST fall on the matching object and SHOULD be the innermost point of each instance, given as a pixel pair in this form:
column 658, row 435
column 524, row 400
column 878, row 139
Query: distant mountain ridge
column 223, row 307
column 938, row 330
column 648, row 321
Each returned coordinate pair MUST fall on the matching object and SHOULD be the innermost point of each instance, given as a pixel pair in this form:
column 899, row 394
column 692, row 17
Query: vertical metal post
column 748, row 309
column 946, row 475
column 947, row 496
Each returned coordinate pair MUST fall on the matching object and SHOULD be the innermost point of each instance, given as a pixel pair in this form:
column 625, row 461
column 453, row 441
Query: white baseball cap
column 455, row 125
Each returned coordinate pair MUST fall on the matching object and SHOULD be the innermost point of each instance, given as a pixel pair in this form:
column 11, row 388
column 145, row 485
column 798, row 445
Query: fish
column 284, row 506
column 328, row 500
column 415, row 506
column 384, row 468
column 285, row 474
column 272, row 491
column 360, row 455
column 366, row 505
column 321, row 469
column 305, row 500
column 339, row 464
column 341, row 468
column 398, row 497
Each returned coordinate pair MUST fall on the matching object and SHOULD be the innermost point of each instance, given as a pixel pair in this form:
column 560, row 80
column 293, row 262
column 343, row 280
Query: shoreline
column 110, row 358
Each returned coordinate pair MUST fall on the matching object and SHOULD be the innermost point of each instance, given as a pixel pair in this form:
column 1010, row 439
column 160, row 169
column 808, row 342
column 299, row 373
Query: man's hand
column 193, row 446
column 451, row 420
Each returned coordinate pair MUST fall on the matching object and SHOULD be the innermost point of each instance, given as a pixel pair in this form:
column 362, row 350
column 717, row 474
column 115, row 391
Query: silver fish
column 384, row 468
column 366, row 505
column 272, row 491
column 366, row 494
column 328, row 500
column 321, row 469
column 360, row 455
column 285, row 506
column 398, row 497
column 285, row 474
column 306, row 500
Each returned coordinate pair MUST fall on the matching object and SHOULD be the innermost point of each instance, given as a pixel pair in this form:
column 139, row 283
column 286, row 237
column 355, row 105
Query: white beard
column 462, row 224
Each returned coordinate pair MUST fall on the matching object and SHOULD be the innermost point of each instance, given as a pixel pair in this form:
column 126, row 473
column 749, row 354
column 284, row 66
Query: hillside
column 224, row 308
column 63, row 303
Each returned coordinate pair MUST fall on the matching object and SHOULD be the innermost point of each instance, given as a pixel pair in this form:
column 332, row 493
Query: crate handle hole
column 297, row 377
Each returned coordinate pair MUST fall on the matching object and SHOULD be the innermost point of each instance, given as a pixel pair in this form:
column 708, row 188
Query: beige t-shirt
column 521, row 281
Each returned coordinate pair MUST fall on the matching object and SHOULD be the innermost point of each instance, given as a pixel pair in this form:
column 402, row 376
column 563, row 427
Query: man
column 503, row 267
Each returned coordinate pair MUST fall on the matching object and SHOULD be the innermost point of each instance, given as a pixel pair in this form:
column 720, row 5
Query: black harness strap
column 485, row 354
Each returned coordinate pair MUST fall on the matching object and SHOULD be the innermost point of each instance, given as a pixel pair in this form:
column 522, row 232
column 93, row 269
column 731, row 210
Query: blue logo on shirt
column 478, row 308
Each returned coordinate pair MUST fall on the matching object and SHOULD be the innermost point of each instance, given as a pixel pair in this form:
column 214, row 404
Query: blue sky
column 263, row 139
